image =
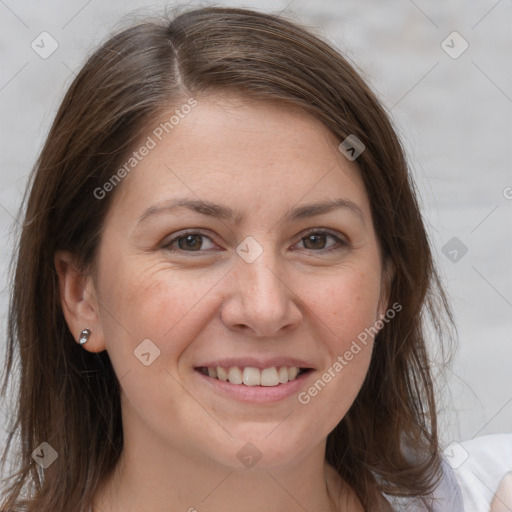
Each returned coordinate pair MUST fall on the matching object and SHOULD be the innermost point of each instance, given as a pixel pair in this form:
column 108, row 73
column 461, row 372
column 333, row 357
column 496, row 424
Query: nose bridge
column 260, row 281
column 261, row 300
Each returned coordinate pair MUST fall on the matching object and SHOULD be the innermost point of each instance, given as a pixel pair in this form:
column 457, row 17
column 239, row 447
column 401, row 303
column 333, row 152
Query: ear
column 78, row 301
column 388, row 274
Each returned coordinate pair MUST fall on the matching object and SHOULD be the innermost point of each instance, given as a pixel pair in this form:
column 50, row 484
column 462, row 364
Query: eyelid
column 166, row 244
column 341, row 241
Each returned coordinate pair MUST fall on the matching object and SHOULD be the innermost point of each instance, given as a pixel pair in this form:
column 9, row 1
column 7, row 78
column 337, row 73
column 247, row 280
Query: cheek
column 347, row 303
column 345, row 309
column 150, row 315
column 155, row 303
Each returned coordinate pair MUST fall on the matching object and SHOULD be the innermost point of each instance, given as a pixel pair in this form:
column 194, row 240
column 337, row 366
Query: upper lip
column 255, row 362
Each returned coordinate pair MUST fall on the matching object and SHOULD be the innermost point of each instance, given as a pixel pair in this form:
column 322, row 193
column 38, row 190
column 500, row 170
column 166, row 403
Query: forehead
column 240, row 152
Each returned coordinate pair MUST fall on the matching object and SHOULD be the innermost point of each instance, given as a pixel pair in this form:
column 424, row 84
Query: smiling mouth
column 250, row 376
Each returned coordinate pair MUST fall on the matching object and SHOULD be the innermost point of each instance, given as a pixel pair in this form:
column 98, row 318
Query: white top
column 447, row 496
column 481, row 465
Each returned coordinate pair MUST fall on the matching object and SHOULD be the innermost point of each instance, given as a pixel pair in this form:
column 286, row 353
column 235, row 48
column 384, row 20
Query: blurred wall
column 444, row 72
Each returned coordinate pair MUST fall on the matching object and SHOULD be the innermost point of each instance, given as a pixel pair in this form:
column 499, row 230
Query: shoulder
column 480, row 465
column 502, row 500
column 446, row 496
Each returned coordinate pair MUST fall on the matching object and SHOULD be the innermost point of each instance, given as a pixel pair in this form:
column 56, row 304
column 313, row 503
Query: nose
column 262, row 302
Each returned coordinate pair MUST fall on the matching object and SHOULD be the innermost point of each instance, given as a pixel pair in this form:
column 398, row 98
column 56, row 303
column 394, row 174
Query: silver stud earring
column 84, row 336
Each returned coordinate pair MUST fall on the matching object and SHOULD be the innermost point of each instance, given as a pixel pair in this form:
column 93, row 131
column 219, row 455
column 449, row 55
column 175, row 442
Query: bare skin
column 318, row 283
column 502, row 501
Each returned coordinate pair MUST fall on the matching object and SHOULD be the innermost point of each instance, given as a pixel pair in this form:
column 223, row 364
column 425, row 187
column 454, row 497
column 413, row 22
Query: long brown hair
column 70, row 398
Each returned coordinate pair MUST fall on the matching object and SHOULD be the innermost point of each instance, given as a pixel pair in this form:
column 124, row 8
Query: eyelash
column 340, row 243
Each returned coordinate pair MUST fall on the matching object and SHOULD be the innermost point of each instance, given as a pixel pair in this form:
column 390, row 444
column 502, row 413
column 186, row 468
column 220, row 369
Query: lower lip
column 255, row 394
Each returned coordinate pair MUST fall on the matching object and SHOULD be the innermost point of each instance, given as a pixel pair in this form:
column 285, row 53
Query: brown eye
column 189, row 242
column 318, row 241
column 314, row 241
column 192, row 242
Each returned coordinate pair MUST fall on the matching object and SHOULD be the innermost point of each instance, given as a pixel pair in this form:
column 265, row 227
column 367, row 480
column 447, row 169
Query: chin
column 262, row 448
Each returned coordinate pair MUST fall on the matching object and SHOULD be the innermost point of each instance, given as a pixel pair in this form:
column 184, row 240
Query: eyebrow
column 225, row 213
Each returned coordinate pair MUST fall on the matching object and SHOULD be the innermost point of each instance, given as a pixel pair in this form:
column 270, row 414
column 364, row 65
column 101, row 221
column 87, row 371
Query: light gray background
column 454, row 116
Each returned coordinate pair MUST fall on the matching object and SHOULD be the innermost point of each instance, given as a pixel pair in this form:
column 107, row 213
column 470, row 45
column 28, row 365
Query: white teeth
column 250, row 376
column 269, row 377
column 292, row 372
column 221, row 374
column 235, row 375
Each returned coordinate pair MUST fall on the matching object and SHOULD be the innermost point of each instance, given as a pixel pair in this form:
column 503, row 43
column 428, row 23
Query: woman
column 221, row 285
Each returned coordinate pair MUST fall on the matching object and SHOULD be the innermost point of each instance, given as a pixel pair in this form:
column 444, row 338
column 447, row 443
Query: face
column 243, row 239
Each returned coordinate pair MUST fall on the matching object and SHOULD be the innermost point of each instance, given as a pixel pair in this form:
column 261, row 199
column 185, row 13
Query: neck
column 153, row 476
